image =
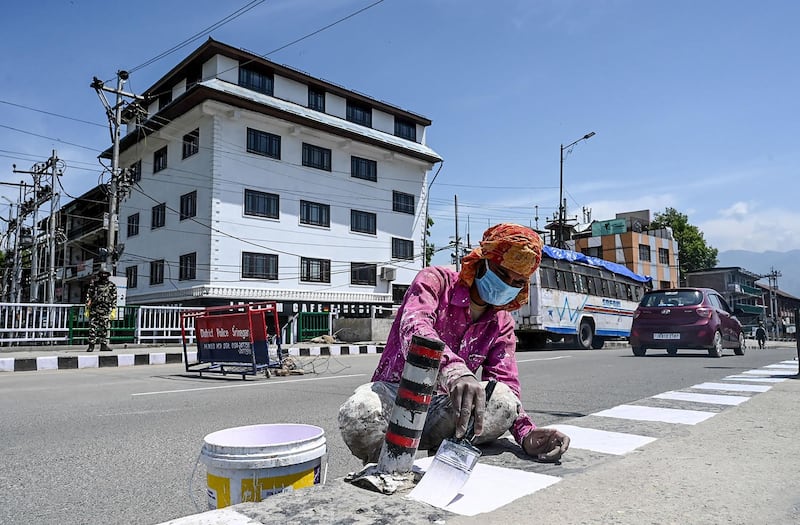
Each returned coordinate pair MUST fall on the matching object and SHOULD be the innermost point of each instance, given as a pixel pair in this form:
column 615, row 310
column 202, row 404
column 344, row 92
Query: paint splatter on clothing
column 436, row 305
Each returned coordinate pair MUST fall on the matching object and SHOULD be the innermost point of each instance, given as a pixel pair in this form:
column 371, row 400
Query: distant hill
column 763, row 262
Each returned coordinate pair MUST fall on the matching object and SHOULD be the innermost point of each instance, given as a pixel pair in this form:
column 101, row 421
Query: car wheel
column 739, row 350
column 672, row 351
column 585, row 335
column 639, row 351
column 716, row 348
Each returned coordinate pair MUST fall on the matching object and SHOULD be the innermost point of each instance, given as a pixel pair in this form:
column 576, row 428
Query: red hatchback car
column 685, row 318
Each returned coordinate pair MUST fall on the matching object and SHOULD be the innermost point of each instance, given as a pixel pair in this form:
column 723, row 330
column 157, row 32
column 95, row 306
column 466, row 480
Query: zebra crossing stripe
column 712, row 399
column 760, row 372
column 756, row 379
column 732, row 387
column 664, row 415
column 616, row 443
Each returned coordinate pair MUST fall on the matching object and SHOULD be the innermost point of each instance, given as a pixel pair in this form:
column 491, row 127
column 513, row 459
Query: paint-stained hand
column 468, row 399
column 546, row 444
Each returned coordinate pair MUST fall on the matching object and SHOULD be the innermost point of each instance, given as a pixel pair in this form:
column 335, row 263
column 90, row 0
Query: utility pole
column 457, row 243
column 114, row 114
column 773, row 298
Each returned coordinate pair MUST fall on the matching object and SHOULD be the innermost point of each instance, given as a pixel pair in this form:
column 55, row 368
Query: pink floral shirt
column 437, row 306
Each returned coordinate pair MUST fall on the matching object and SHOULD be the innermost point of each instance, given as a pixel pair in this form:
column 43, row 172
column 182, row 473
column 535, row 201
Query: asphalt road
column 119, row 445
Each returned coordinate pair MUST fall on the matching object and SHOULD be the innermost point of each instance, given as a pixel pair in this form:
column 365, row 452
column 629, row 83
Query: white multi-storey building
column 257, row 182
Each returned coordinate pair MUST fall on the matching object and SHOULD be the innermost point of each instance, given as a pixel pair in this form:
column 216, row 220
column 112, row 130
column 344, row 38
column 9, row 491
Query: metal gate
column 312, row 324
column 121, row 330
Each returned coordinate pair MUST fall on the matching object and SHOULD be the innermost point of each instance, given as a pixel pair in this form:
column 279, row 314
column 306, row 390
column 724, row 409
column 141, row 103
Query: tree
column 430, row 249
column 693, row 251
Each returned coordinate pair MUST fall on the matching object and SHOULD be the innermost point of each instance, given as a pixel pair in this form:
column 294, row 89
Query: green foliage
column 430, row 249
column 693, row 251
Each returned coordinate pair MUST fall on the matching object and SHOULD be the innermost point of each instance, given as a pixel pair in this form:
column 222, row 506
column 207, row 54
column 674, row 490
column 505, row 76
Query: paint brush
column 451, row 466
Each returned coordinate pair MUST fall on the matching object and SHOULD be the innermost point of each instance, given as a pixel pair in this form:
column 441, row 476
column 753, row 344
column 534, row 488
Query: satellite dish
column 637, row 226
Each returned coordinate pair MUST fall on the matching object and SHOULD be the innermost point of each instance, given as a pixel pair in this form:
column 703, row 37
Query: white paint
column 227, row 516
column 372, row 349
column 191, row 356
column 159, row 358
column 792, row 362
column 421, row 376
column 49, row 362
column 490, row 487
column 314, row 350
column 663, row 415
column 617, row 443
column 543, row 359
column 756, row 379
column 336, row 350
column 731, row 386
column 785, row 366
column 88, row 361
column 7, row 364
column 712, row 399
column 245, row 385
column 125, row 360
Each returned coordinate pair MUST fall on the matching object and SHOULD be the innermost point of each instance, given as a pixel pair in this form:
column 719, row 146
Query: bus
column 579, row 298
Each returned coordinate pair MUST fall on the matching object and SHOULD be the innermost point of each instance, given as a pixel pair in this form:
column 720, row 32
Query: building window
column 363, row 222
column 260, row 204
column 159, row 216
column 187, row 267
column 157, row 272
column 663, row 256
column 191, row 143
column 398, row 293
column 403, row 202
column 188, row 205
column 594, row 251
column 160, row 160
column 256, row 80
column 644, row 252
column 405, row 129
column 259, row 266
column 363, row 273
column 133, row 225
column 135, row 171
column 359, row 113
column 263, row 143
column 132, row 276
column 315, row 270
column 316, row 99
column 316, row 157
column 664, row 284
column 363, row 169
column 315, row 214
column 402, row 249
column 164, row 99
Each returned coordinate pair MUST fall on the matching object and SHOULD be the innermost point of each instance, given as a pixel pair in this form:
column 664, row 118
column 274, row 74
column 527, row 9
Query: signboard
column 611, row 227
column 231, row 339
column 85, row 268
column 122, row 289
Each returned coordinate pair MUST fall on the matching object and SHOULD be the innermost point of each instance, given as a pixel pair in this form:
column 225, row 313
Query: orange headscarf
column 514, row 247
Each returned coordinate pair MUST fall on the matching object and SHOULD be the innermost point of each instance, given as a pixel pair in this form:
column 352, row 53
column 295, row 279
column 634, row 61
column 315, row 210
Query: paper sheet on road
column 490, row 487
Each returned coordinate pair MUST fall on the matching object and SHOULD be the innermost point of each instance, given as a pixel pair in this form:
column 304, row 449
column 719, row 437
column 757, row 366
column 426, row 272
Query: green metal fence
column 122, row 329
column 312, row 324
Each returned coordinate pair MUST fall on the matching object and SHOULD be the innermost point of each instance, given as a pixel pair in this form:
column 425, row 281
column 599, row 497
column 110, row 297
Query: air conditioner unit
column 388, row 274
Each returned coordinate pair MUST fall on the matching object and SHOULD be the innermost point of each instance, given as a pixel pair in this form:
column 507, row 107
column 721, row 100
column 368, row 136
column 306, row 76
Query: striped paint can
column 411, row 405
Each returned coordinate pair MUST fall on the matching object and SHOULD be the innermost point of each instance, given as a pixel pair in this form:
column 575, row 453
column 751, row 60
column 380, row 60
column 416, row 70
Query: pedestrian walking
column 761, row 334
column 101, row 298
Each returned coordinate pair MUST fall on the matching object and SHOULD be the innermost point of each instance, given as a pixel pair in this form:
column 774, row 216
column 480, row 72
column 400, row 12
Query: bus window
column 583, row 281
column 604, row 291
column 559, row 281
column 569, row 278
column 591, row 286
column 548, row 277
column 628, row 292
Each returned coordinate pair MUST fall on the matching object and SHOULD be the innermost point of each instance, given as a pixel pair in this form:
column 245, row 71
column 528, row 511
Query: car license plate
column 671, row 335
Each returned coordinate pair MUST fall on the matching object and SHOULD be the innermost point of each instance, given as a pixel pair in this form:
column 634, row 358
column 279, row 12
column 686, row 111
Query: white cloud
column 747, row 227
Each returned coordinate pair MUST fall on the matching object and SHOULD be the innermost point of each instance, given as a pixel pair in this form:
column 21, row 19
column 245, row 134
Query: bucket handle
column 191, row 483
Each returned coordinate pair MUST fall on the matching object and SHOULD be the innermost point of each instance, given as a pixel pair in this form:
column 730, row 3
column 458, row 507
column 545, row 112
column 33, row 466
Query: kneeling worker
column 469, row 312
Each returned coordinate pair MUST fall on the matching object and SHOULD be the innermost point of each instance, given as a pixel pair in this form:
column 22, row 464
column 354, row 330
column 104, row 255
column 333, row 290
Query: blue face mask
column 494, row 290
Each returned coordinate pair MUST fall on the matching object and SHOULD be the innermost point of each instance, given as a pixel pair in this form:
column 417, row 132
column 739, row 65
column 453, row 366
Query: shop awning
column 750, row 309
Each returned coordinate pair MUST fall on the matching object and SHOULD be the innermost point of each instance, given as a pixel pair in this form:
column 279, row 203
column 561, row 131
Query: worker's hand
column 468, row 398
column 88, row 303
column 546, row 444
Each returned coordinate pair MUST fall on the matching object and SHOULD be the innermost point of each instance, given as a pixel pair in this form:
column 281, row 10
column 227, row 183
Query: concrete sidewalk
column 36, row 358
column 738, row 467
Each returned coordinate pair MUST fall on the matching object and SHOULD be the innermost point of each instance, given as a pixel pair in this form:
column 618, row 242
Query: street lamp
column 562, row 209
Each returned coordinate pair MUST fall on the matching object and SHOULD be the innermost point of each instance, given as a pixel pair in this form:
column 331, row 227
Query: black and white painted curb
column 97, row 360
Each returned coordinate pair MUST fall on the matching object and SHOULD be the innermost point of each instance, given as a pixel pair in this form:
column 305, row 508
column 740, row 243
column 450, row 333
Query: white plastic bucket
column 253, row 462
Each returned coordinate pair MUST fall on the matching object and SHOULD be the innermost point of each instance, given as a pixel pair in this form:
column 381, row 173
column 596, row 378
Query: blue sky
column 694, row 104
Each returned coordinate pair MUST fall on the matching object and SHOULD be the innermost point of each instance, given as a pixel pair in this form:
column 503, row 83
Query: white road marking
column 756, row 379
column 663, row 415
column 544, row 359
column 761, row 372
column 711, row 399
column 788, row 366
column 732, row 387
column 603, row 441
column 243, row 385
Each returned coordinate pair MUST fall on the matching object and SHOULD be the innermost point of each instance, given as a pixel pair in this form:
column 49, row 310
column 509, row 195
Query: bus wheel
column 585, row 335
column 598, row 342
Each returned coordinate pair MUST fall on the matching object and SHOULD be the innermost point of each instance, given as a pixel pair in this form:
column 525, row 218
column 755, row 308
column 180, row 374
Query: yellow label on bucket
column 221, row 487
column 269, row 486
